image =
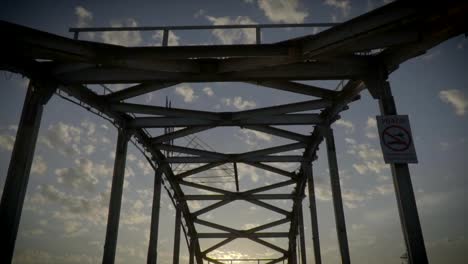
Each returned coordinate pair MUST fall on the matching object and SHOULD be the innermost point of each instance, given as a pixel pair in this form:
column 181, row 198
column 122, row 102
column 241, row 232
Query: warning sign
column 396, row 139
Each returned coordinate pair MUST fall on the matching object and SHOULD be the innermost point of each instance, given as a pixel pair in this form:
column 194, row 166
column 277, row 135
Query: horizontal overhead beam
column 199, row 27
column 238, row 196
column 269, row 187
column 251, row 230
column 199, row 169
column 138, row 90
column 211, row 207
column 237, row 157
column 288, row 119
column 191, row 151
column 268, row 158
column 179, row 133
column 279, row 132
column 159, row 110
column 283, row 109
column 302, row 71
column 204, row 187
column 233, row 231
column 272, row 169
column 299, row 88
column 244, row 235
column 270, row 207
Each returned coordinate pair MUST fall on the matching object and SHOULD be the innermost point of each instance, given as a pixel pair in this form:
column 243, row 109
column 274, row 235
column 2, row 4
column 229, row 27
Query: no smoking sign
column 396, row 139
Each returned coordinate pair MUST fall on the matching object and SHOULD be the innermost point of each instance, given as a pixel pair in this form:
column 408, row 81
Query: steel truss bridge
column 362, row 52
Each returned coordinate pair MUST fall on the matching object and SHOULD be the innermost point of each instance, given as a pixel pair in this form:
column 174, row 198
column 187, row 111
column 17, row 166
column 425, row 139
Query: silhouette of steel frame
column 362, row 51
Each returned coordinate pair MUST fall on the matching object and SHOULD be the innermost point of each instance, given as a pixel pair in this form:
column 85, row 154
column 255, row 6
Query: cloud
column 348, row 125
column 287, row 11
column 239, row 103
column 352, row 199
column 186, row 92
column 84, row 19
column 371, row 159
column 249, row 171
column 74, row 228
column 252, row 137
column 89, row 149
column 84, row 176
column 62, row 137
column 39, row 166
column 7, row 142
column 84, row 16
column 371, row 128
column 343, row 5
column 208, row 91
column 173, row 39
column 123, row 38
column 93, row 210
column 145, row 167
column 199, row 13
column 30, row 256
column 456, row 98
column 233, row 36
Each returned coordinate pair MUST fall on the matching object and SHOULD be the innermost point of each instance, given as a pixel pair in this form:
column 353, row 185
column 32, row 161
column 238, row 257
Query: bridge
column 360, row 53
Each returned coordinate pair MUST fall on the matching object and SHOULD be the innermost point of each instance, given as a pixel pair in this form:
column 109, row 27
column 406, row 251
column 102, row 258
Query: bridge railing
column 167, row 29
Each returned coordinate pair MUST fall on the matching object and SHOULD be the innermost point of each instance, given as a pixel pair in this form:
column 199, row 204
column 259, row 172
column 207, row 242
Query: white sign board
column 396, row 140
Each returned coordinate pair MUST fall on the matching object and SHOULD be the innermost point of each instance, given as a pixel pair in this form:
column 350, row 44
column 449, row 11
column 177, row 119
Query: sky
column 65, row 211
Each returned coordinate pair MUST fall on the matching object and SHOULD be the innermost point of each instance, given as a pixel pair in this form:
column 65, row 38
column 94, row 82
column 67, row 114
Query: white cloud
column 343, row 5
column 239, row 103
column 7, row 142
column 63, row 137
column 84, row 176
column 145, row 166
column 84, row 19
column 233, row 36
column 287, row 11
column 84, row 16
column 348, row 125
column 208, row 91
column 371, row 128
column 90, row 127
column 186, row 92
column 199, row 13
column 252, row 137
column 89, row 149
column 30, row 256
column 370, row 158
column 74, row 228
column 173, row 39
column 352, row 199
column 456, row 98
column 248, row 171
column 385, row 189
column 39, row 166
column 123, row 38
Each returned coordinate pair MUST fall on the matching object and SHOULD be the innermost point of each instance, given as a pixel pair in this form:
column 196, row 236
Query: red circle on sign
column 396, row 142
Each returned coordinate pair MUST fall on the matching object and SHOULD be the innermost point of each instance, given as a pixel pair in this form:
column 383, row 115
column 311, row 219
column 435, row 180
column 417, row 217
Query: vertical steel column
column 307, row 169
column 336, row 193
column 17, row 178
column 301, row 234
column 293, row 252
column 258, row 35
column 404, row 192
column 115, row 197
column 192, row 250
column 178, row 223
column 153, row 240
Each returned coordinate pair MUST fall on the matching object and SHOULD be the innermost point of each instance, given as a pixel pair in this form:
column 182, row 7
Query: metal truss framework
column 362, row 51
